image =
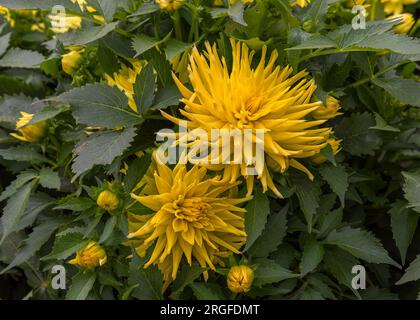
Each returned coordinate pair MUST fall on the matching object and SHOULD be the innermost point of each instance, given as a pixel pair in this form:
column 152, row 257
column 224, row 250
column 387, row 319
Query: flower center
column 248, row 110
column 191, row 209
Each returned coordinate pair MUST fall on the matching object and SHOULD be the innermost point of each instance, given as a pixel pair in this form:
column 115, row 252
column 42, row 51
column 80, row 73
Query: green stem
column 193, row 29
column 318, row 53
column 374, row 76
column 373, row 10
column 177, row 25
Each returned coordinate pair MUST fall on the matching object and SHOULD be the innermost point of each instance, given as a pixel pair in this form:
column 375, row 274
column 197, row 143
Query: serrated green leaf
column 75, row 204
column 48, row 112
column 22, row 153
column 340, row 264
column 207, row 291
column 66, row 245
column 19, row 58
column 358, row 139
column 412, row 273
column 175, row 47
column 165, row 97
column 382, row 125
column 100, row 105
column 185, row 277
column 405, row 90
column 149, row 281
column 101, row 149
column 362, row 244
column 86, row 35
column 337, row 178
column 16, row 184
column 38, row 4
column 106, row 8
column 143, row 43
column 144, row 89
column 269, row 271
column 412, row 189
column 15, row 208
column 136, row 170
column 33, row 243
column 49, row 179
column 4, row 42
column 312, row 255
column 273, row 234
column 81, row 284
column 108, row 229
column 257, row 211
column 403, row 225
column 308, row 193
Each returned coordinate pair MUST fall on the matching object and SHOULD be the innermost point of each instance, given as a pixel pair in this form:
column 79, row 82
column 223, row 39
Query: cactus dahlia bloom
column 124, row 80
column 194, row 217
column 267, row 97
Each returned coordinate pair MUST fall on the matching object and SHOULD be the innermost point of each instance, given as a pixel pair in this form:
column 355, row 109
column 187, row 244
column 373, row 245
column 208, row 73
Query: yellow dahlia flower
column 193, row 217
column 396, row 6
column 90, row 257
column 407, row 22
column 124, row 80
column 108, row 200
column 335, row 146
column 62, row 24
column 70, row 61
column 31, row 133
column 329, row 110
column 266, row 98
column 170, row 5
column 240, row 278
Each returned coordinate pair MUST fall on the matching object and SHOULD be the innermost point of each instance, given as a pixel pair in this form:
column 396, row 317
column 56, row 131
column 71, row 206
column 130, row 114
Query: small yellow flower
column 396, row 6
column 170, row 5
column 70, row 61
column 233, row 2
column 302, row 3
column 240, row 278
column 62, row 24
column 328, row 111
column 90, row 257
column 218, row 3
column 31, row 133
column 6, row 13
column 91, row 9
column 406, row 24
column 335, row 146
column 108, row 200
column 124, row 80
column 194, row 217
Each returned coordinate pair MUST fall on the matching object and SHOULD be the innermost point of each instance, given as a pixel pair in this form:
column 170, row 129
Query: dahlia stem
column 373, row 10
column 177, row 25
